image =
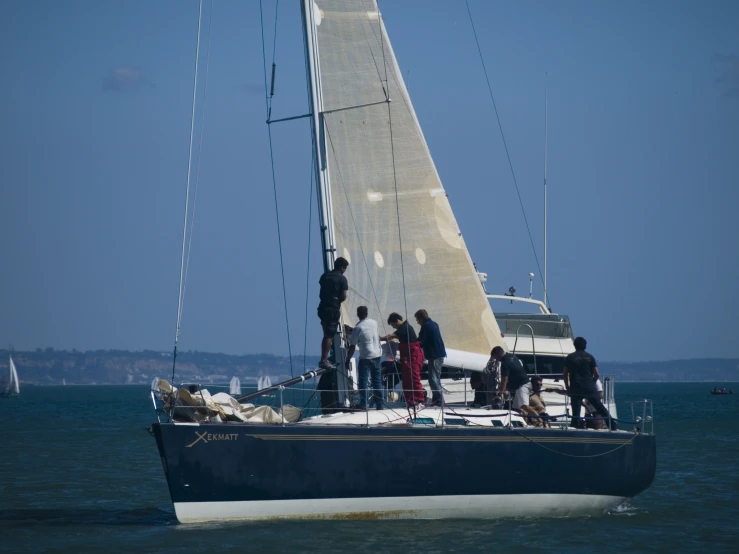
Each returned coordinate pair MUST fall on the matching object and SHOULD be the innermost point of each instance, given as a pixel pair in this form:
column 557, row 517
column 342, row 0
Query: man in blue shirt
column 433, row 351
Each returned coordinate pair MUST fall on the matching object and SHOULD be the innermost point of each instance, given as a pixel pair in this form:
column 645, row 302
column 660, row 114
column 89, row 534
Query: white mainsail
column 13, row 385
column 382, row 180
column 235, row 386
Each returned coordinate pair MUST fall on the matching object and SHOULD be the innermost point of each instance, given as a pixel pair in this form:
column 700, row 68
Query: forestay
column 372, row 150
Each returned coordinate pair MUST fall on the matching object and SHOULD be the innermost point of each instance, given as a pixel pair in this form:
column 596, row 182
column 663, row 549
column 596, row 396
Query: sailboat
column 264, row 382
column 382, row 207
column 12, row 388
column 235, row 386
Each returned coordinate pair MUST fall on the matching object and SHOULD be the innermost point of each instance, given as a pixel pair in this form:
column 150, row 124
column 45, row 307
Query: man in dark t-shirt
column 513, row 377
column 579, row 375
column 333, row 292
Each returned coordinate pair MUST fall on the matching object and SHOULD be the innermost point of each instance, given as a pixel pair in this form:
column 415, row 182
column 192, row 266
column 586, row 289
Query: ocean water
column 80, row 473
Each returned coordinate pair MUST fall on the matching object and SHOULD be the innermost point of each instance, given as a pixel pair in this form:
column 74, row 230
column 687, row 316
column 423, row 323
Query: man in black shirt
column 579, row 375
column 513, row 377
column 333, row 292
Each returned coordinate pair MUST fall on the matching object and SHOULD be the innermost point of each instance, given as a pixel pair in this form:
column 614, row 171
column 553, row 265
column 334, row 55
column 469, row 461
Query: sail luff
column 308, row 12
column 311, row 19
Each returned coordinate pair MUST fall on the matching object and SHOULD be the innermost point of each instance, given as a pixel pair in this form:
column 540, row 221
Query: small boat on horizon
column 235, row 386
column 721, row 391
column 12, row 388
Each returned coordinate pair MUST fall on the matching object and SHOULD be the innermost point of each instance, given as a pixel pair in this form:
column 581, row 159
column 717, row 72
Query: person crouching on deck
column 513, row 377
column 411, row 358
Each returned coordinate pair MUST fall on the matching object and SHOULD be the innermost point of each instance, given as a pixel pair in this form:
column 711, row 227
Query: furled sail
column 384, row 188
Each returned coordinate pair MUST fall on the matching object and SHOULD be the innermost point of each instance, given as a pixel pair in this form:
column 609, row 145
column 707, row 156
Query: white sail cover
column 372, row 150
column 13, row 385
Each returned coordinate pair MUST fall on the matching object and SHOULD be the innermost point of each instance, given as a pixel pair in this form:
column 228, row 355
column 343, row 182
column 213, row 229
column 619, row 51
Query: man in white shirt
column 367, row 337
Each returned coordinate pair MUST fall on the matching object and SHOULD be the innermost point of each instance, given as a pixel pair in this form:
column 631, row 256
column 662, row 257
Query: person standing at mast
column 334, row 287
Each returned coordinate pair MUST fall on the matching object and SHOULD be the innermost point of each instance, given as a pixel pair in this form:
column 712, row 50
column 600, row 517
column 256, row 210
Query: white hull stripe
column 408, row 507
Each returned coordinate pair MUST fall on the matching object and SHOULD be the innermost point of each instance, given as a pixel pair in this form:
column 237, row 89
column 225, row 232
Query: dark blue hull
column 280, row 470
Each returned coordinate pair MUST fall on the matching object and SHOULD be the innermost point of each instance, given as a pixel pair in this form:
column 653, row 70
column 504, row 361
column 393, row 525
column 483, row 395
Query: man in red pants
column 411, row 359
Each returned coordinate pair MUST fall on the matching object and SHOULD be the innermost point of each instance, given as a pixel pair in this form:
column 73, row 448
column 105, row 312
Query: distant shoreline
column 123, row 367
column 123, row 385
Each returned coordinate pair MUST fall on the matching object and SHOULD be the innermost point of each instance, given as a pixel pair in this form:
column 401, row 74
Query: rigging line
column 354, row 223
column 397, row 77
column 392, row 153
column 359, row 241
column 537, row 443
column 274, row 190
column 307, row 271
column 369, row 22
column 200, row 153
column 400, row 239
column 382, row 45
column 274, row 36
column 397, row 209
column 187, row 189
column 386, row 88
column 502, row 136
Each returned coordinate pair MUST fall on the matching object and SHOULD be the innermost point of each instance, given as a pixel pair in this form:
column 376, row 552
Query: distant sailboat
column 235, row 387
column 12, row 389
column 264, row 382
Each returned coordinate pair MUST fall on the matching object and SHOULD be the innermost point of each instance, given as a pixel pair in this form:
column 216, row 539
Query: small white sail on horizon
column 264, row 382
column 13, row 387
column 235, row 386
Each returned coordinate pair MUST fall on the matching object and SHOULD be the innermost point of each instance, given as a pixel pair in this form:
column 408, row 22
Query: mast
column 546, row 83
column 319, row 139
column 310, row 13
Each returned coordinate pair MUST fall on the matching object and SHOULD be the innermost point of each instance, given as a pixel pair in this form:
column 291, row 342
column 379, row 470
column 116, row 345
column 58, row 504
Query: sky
column 95, row 112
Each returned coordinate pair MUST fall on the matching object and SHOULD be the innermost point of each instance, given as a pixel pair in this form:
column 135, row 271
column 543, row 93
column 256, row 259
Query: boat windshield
column 545, row 365
column 544, row 325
